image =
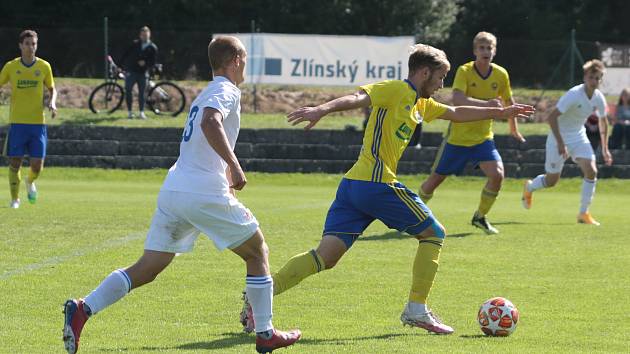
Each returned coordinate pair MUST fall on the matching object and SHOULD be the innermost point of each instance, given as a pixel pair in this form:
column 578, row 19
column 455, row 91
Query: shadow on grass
column 229, row 340
column 461, row 234
column 395, row 235
column 474, row 336
column 94, row 119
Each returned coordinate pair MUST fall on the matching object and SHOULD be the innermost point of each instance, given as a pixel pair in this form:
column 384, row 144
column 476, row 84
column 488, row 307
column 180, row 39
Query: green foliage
column 567, row 280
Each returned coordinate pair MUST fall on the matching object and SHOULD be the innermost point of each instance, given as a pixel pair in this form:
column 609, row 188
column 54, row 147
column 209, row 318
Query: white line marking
column 109, row 244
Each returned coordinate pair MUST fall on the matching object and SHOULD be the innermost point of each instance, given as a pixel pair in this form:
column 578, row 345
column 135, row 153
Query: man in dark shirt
column 137, row 60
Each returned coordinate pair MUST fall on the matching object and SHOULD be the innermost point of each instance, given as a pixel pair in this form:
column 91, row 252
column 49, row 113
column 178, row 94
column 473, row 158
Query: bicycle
column 162, row 97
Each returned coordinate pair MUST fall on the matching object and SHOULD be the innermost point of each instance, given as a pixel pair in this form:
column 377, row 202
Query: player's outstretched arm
column 312, row 115
column 470, row 114
column 212, row 127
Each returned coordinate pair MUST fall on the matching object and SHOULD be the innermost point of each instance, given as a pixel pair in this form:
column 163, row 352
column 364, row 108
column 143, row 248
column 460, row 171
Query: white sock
column 112, row 289
column 259, row 291
column 588, row 190
column 537, row 183
column 417, row 308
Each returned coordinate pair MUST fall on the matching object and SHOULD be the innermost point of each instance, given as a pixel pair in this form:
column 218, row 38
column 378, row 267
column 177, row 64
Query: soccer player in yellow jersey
column 28, row 76
column 484, row 84
column 370, row 190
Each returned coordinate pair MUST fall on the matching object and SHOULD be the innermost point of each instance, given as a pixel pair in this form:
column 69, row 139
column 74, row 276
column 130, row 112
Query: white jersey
column 575, row 108
column 199, row 169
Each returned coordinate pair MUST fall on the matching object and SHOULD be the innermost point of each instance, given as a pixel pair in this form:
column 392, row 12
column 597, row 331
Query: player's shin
column 259, row 291
column 425, row 267
column 488, row 198
column 32, row 175
column 537, row 183
column 588, row 190
column 297, row 269
column 15, row 178
column 112, row 289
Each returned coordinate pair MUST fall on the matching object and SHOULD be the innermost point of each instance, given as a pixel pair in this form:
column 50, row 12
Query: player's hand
column 562, row 151
column 53, row 111
column 305, row 114
column 495, row 102
column 518, row 136
column 608, row 160
column 237, row 177
column 518, row 110
column 141, row 62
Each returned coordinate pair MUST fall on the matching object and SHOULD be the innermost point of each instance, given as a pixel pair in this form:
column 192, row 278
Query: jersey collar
column 413, row 88
column 28, row 65
column 481, row 76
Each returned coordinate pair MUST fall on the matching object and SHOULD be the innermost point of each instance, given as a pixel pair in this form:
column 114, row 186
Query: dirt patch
column 268, row 100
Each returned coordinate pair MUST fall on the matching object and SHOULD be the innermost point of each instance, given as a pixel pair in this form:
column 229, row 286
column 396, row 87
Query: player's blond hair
column 423, row 55
column 485, row 37
column 27, row 34
column 595, row 66
column 223, row 49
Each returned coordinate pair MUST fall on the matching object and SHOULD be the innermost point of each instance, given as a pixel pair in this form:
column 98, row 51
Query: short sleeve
column 459, row 83
column 4, row 74
column 566, row 101
column 381, row 93
column 224, row 102
column 506, row 89
column 48, row 79
column 430, row 109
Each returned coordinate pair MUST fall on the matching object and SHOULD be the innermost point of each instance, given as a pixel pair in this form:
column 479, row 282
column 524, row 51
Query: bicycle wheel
column 106, row 98
column 166, row 98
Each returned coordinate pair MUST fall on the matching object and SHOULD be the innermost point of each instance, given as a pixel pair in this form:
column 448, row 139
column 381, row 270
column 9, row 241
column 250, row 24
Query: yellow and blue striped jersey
column 469, row 81
column 27, row 89
column 396, row 110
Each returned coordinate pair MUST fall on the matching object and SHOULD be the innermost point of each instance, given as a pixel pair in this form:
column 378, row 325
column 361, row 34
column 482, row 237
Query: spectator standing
column 621, row 122
column 139, row 58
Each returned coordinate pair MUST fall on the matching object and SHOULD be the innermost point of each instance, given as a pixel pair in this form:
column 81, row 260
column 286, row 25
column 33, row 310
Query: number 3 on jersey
column 188, row 130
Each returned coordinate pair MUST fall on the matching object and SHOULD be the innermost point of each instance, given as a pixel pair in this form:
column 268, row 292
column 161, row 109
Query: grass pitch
column 570, row 282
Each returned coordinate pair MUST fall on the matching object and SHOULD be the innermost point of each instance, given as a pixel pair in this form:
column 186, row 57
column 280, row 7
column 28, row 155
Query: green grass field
column 570, row 282
column 248, row 121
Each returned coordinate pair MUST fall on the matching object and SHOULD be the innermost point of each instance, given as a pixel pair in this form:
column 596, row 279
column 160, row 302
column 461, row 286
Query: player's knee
column 435, row 230
column 552, row 179
column 591, row 173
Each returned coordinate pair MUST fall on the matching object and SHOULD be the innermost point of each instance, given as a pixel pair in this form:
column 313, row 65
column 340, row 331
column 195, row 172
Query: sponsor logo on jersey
column 495, row 85
column 404, row 132
column 24, row 84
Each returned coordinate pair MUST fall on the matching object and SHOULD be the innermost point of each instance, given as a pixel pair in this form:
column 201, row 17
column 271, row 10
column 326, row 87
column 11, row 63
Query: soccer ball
column 498, row 317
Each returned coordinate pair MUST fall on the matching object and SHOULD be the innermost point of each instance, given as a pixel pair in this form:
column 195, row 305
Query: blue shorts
column 358, row 203
column 26, row 139
column 452, row 159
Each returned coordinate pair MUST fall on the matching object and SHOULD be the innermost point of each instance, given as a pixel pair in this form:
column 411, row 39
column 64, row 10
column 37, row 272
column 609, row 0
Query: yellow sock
column 15, row 178
column 424, row 196
column 32, row 176
column 297, row 269
column 425, row 267
column 487, row 200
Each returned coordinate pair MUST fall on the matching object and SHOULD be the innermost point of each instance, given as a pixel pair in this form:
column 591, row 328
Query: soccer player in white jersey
column 198, row 196
column 568, row 139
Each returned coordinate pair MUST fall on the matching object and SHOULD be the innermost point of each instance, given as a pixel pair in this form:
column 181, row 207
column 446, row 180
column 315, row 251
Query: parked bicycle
column 162, row 97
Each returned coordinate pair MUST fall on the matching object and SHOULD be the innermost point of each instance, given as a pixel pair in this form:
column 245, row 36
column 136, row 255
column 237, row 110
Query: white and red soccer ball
column 498, row 317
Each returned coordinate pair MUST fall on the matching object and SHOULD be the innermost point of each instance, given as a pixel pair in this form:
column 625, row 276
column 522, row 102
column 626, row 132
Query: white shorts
column 554, row 162
column 181, row 216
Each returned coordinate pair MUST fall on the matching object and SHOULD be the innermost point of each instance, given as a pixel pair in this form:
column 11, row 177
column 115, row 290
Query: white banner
column 303, row 59
column 617, row 60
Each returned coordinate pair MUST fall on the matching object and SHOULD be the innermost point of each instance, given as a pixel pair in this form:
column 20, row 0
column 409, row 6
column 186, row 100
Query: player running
column 479, row 83
column 370, row 190
column 567, row 138
column 28, row 76
column 198, row 196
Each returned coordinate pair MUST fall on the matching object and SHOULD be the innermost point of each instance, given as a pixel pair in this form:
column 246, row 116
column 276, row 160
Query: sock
column 425, row 267
column 424, row 196
column 417, row 308
column 15, row 177
column 588, row 190
column 32, row 176
column 259, row 291
column 487, row 200
column 112, row 289
column 297, row 269
column 537, row 183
